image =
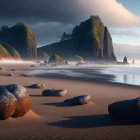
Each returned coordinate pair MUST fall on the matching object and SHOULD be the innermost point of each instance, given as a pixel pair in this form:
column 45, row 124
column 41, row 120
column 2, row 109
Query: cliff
column 22, row 39
column 91, row 40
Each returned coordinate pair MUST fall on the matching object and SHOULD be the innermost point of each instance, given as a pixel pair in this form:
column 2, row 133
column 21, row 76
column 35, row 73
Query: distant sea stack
column 90, row 40
column 21, row 38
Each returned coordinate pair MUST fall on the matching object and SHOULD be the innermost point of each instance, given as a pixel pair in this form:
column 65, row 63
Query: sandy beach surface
column 51, row 119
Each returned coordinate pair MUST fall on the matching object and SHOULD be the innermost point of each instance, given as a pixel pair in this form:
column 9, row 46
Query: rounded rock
column 79, row 100
column 127, row 109
column 59, row 93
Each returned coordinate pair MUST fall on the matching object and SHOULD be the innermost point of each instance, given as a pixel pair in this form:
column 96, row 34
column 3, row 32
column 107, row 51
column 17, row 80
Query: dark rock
column 127, row 109
column 79, row 100
column 13, row 70
column 14, row 101
column 59, row 93
column 125, row 60
column 133, row 62
column 41, row 86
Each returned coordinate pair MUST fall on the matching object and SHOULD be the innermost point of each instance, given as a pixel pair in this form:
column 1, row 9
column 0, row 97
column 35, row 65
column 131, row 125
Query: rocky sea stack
column 21, row 38
column 91, row 40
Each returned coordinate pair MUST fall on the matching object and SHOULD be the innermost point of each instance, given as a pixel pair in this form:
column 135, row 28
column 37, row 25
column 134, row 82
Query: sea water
column 125, row 74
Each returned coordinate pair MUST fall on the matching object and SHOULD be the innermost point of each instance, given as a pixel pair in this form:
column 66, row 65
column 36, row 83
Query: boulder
column 52, row 92
column 127, row 109
column 14, row 101
column 79, row 100
column 41, row 86
column 7, row 103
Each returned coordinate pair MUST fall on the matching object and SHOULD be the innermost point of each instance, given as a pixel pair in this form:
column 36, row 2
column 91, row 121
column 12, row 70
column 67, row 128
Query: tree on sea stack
column 55, row 59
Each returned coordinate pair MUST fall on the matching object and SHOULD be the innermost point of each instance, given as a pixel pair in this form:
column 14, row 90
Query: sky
column 50, row 18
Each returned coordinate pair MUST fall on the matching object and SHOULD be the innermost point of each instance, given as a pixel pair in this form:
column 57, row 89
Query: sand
column 51, row 119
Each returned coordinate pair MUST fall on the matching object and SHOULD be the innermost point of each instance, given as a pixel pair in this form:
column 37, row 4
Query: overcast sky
column 50, row 18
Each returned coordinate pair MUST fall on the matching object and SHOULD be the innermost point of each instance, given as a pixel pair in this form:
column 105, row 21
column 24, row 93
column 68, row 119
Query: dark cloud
column 65, row 11
column 50, row 18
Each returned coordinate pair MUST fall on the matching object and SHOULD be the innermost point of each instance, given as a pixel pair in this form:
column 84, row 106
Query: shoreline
column 56, row 120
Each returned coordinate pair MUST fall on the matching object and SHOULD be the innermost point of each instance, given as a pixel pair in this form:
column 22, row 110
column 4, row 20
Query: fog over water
column 126, row 74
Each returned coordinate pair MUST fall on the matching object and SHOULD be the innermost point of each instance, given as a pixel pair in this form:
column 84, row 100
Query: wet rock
column 127, row 109
column 59, row 93
column 41, row 86
column 13, row 70
column 12, row 74
column 79, row 100
column 14, row 101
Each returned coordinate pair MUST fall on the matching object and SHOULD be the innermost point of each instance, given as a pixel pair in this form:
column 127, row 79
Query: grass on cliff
column 2, row 49
column 96, row 27
column 13, row 52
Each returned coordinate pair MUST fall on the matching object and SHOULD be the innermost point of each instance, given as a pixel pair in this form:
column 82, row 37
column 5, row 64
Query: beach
column 51, row 119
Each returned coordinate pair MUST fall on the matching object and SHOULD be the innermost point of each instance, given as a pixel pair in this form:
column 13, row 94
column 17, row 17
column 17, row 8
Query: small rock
column 13, row 70
column 79, row 100
column 32, row 65
column 12, row 74
column 60, row 93
column 127, row 109
column 1, row 68
column 25, row 75
column 41, row 86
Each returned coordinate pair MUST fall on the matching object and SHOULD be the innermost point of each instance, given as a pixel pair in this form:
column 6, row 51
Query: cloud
column 121, row 33
column 131, row 51
column 50, row 18
column 111, row 12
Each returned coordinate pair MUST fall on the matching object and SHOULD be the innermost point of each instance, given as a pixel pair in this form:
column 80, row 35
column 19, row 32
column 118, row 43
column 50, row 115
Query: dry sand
column 51, row 119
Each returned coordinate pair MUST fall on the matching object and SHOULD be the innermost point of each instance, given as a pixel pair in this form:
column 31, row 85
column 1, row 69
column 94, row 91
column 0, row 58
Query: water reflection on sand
column 126, row 74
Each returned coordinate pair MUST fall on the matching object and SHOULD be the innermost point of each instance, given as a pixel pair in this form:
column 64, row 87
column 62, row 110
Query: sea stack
column 21, row 38
column 90, row 40
column 125, row 60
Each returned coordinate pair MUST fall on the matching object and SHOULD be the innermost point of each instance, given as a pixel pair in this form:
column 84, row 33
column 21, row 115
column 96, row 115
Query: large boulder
column 127, row 109
column 79, row 100
column 14, row 101
column 53, row 92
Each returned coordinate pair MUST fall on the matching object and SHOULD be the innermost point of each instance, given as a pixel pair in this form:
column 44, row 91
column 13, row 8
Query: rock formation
column 21, row 38
column 125, row 60
column 55, row 59
column 91, row 40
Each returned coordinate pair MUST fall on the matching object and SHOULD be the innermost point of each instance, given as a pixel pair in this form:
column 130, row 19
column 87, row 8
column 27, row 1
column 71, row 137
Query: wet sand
column 52, row 119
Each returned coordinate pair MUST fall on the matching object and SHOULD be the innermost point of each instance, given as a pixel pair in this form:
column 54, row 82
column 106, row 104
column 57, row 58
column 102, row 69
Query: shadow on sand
column 59, row 104
column 92, row 121
column 35, row 95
